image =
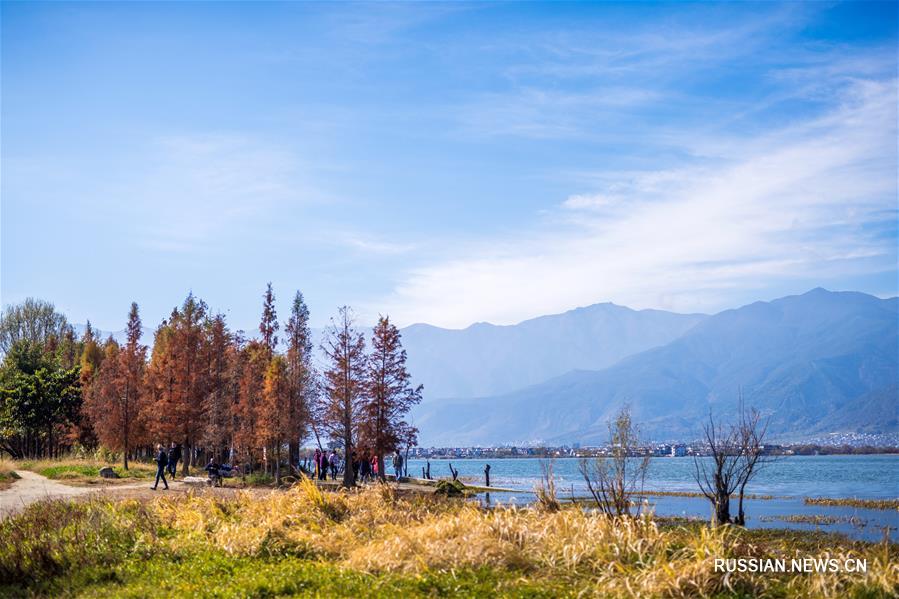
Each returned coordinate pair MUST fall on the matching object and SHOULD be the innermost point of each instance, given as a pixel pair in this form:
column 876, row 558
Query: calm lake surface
column 789, row 480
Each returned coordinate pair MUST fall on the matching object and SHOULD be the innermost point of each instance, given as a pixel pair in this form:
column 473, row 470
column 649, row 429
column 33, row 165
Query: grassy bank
column 375, row 543
column 86, row 471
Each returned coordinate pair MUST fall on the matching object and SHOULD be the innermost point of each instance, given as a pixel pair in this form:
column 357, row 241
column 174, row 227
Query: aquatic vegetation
column 870, row 504
column 817, row 519
column 374, row 541
column 697, row 494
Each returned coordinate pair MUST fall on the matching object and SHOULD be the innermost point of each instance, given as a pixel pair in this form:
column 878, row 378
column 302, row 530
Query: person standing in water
column 487, row 474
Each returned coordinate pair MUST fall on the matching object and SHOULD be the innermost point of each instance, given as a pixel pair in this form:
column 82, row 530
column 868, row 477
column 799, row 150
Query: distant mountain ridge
column 487, row 359
column 817, row 362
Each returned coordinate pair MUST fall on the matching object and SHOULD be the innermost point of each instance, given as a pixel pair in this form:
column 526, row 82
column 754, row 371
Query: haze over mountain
column 819, row 362
column 486, row 359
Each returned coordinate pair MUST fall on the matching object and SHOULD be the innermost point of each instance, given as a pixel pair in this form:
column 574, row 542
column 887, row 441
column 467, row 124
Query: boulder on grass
column 107, row 472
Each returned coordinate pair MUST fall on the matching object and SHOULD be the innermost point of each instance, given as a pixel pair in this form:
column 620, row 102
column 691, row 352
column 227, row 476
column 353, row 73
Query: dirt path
column 33, row 487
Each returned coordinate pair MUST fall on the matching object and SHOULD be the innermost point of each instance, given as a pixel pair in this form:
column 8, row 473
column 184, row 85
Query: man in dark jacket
column 162, row 461
column 174, row 458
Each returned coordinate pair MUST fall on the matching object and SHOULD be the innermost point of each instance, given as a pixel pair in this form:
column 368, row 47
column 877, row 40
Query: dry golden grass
column 7, row 473
column 375, row 531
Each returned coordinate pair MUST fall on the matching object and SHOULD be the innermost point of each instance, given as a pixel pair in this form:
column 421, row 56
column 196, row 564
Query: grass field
column 372, row 542
column 86, row 471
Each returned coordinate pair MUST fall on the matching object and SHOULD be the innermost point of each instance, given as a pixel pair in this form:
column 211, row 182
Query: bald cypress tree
column 274, row 422
column 300, row 376
column 178, row 378
column 344, row 385
column 268, row 326
column 390, row 394
column 114, row 400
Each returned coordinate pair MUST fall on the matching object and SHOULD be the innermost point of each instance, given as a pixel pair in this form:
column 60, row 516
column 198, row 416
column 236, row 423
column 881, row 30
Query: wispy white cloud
column 197, row 192
column 798, row 202
column 374, row 245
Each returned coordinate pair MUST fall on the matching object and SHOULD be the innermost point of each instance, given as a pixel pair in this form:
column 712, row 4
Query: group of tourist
column 323, row 463
column 365, row 466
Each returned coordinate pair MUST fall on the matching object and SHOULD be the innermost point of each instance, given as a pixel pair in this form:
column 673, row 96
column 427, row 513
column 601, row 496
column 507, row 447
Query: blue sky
column 445, row 163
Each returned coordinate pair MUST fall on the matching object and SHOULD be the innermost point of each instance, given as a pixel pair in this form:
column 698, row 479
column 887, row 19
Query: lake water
column 788, row 480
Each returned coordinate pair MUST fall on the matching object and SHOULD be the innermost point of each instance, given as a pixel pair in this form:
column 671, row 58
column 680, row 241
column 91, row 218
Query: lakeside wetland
column 777, row 496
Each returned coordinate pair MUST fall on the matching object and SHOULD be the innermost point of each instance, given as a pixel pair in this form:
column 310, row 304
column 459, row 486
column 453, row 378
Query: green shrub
column 69, row 471
column 260, row 479
column 52, row 538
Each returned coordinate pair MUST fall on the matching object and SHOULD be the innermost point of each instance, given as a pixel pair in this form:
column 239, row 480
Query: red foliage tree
column 253, row 363
column 344, row 385
column 273, row 412
column 114, row 401
column 220, row 398
column 300, row 376
column 178, row 378
column 390, row 394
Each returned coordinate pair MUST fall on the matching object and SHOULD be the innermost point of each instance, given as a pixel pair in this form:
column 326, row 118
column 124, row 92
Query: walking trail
column 32, row 487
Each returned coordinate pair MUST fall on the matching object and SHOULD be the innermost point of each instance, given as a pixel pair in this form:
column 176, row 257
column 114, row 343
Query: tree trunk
column 293, row 455
column 741, row 517
column 722, row 510
column 382, row 476
column 348, row 479
column 278, row 464
column 186, row 461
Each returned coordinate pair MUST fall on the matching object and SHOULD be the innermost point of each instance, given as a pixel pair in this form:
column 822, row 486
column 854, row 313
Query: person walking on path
column 174, row 458
column 365, row 468
column 334, row 463
column 398, row 465
column 162, row 460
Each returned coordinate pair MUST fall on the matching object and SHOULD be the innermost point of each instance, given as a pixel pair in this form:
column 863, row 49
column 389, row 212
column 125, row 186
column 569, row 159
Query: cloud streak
column 798, row 202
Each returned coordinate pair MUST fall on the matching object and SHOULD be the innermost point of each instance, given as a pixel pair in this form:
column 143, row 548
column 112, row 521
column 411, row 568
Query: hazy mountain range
column 814, row 363
column 486, row 359
column 818, row 362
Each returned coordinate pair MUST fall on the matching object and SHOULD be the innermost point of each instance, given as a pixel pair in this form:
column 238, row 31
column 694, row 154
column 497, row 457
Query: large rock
column 107, row 472
column 451, row 488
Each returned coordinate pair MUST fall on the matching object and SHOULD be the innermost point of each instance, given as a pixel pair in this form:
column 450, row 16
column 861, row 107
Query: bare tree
column 614, row 480
column 720, row 478
column 736, row 453
column 752, row 430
